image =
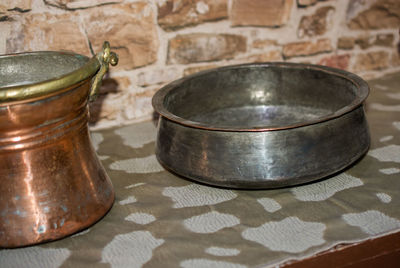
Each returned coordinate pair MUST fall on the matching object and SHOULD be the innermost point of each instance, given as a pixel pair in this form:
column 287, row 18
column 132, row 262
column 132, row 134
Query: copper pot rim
column 95, row 67
column 43, row 89
column 360, row 97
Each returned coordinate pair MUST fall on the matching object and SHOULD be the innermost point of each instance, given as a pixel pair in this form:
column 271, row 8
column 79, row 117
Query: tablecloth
column 162, row 220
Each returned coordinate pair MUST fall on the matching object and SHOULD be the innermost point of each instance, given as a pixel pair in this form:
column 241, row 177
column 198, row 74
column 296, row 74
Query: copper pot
column 52, row 183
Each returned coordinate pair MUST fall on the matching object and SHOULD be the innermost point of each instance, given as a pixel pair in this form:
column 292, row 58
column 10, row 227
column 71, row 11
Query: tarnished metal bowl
column 52, row 183
column 262, row 125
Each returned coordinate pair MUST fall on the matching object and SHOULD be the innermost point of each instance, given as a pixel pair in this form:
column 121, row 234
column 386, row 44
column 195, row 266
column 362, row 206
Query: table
column 162, row 220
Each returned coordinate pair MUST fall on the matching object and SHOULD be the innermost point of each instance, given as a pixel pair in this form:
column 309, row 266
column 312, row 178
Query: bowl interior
column 259, row 96
column 31, row 68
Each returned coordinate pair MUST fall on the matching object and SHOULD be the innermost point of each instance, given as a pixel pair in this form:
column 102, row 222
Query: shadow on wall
column 109, row 85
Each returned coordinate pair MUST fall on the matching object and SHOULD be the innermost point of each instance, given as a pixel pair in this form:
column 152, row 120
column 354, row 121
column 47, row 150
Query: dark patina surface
column 262, row 125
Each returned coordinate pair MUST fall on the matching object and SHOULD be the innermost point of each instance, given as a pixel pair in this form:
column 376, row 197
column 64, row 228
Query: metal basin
column 262, row 125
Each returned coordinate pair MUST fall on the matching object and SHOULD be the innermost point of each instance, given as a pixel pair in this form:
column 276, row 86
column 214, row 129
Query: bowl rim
column 361, row 95
column 49, row 87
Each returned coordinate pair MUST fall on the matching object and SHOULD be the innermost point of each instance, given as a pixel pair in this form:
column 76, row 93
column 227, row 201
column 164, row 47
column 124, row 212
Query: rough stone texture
column 378, row 14
column 5, row 29
column 364, row 42
column 303, row 3
column 103, row 107
column 264, row 43
column 395, row 59
column 336, row 61
column 4, row 17
column 158, row 76
column 192, row 48
column 79, row 4
column 346, row 43
column 135, row 40
column 385, row 40
column 53, row 32
column 273, row 55
column 122, row 106
column 13, row 39
column 15, row 5
column 317, row 23
column 139, row 104
column 398, row 46
column 114, row 84
column 306, row 48
column 174, row 14
column 376, row 60
column 195, row 69
column 260, row 12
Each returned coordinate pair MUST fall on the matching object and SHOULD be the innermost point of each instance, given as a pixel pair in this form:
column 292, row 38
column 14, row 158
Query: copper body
column 52, row 183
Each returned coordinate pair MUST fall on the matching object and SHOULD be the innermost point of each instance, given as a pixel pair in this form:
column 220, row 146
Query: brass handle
column 105, row 58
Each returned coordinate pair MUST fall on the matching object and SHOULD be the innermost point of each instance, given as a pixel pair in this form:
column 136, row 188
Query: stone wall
column 162, row 40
